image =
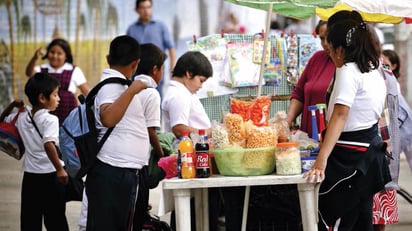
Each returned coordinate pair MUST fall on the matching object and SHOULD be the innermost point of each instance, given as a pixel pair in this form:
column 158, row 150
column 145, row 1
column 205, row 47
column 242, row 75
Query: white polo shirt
column 364, row 93
column 35, row 156
column 150, row 100
column 128, row 144
column 180, row 106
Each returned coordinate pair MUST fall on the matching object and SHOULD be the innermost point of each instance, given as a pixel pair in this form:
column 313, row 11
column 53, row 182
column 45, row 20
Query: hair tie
column 352, row 30
column 349, row 36
column 363, row 26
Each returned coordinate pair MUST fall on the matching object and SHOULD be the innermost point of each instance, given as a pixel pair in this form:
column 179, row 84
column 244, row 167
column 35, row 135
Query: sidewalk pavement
column 10, row 185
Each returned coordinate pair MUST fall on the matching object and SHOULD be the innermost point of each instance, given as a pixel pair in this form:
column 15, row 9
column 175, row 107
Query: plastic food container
column 245, row 161
column 288, row 159
column 307, row 163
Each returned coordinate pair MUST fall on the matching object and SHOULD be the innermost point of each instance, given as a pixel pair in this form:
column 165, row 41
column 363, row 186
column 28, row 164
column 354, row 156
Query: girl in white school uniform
column 60, row 65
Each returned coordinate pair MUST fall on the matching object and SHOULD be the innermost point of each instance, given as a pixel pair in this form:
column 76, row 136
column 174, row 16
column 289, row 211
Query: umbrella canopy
column 393, row 12
column 300, row 9
column 384, row 11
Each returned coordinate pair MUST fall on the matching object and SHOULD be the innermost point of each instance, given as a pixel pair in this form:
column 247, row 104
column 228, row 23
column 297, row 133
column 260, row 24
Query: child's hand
column 62, row 176
column 38, row 53
column 137, row 86
column 18, row 103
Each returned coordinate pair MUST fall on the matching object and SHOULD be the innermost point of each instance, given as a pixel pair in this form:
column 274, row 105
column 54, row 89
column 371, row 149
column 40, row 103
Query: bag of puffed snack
column 235, row 128
column 220, row 136
column 259, row 110
column 240, row 107
column 260, row 137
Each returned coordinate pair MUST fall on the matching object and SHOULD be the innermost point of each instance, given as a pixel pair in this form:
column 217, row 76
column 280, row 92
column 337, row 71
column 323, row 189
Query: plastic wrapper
column 236, row 129
column 256, row 110
column 258, row 137
column 281, row 126
column 168, row 164
column 220, row 136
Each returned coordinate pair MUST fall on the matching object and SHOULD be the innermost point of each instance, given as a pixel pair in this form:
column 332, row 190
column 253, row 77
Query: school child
column 111, row 185
column 44, row 179
column 150, row 69
column 60, row 65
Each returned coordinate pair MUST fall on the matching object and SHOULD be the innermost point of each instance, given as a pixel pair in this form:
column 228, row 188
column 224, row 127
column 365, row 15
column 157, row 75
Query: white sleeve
column 77, row 79
column 150, row 100
column 179, row 110
column 346, row 86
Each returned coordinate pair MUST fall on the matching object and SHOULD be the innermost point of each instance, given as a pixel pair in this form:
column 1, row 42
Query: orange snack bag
column 259, row 111
column 240, row 107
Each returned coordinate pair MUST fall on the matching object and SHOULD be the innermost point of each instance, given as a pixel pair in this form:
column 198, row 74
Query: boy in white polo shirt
column 111, row 186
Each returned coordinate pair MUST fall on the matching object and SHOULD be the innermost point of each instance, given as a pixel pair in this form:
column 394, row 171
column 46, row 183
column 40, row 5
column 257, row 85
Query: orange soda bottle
column 187, row 155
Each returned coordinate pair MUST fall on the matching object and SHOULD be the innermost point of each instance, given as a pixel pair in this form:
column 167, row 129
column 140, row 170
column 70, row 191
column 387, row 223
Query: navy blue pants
column 42, row 198
column 111, row 193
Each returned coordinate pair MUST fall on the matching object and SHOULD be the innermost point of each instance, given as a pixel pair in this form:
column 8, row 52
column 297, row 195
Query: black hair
column 151, row 56
column 274, row 25
column 193, row 62
column 139, row 1
column 64, row 45
column 394, row 59
column 319, row 25
column 123, row 50
column 40, row 83
column 356, row 40
column 343, row 15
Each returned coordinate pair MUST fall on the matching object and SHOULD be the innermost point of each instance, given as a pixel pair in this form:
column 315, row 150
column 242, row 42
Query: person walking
column 149, row 30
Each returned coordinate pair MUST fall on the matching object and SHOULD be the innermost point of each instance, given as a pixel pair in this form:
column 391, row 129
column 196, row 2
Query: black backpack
column 78, row 136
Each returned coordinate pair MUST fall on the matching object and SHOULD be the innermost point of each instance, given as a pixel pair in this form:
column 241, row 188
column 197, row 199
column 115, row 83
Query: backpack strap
column 92, row 95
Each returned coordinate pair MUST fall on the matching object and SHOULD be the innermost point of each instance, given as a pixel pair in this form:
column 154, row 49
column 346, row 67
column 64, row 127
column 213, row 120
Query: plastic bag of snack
column 256, row 110
column 235, row 129
column 240, row 107
column 281, row 126
column 259, row 111
column 220, row 136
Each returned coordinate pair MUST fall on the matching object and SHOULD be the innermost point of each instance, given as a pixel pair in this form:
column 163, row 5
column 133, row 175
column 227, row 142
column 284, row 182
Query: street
column 11, row 176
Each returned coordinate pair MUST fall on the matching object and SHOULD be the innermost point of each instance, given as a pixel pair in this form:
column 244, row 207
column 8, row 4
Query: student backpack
column 78, row 134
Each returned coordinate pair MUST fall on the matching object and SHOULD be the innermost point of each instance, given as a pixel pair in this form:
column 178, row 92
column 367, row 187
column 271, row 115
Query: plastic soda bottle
column 202, row 155
column 186, row 152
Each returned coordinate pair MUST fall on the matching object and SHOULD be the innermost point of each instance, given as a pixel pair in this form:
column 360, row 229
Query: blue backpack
column 78, row 134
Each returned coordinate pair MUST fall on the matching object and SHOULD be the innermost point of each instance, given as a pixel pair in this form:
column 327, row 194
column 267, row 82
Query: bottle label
column 202, row 160
column 187, row 159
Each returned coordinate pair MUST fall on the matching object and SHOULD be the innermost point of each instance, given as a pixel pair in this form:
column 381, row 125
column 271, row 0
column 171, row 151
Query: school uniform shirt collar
column 108, row 73
column 147, row 78
column 66, row 66
column 179, row 85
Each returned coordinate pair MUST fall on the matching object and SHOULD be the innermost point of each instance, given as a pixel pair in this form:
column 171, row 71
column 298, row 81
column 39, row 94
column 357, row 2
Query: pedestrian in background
column 149, row 30
column 60, row 65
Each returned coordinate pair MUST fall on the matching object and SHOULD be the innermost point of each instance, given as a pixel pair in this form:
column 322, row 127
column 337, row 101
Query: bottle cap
column 202, row 132
column 185, row 133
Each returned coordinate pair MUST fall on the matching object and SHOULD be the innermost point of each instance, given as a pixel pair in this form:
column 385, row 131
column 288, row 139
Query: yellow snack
column 235, row 128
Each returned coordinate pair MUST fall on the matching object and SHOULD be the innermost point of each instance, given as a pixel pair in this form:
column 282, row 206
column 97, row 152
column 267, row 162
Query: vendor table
column 183, row 189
